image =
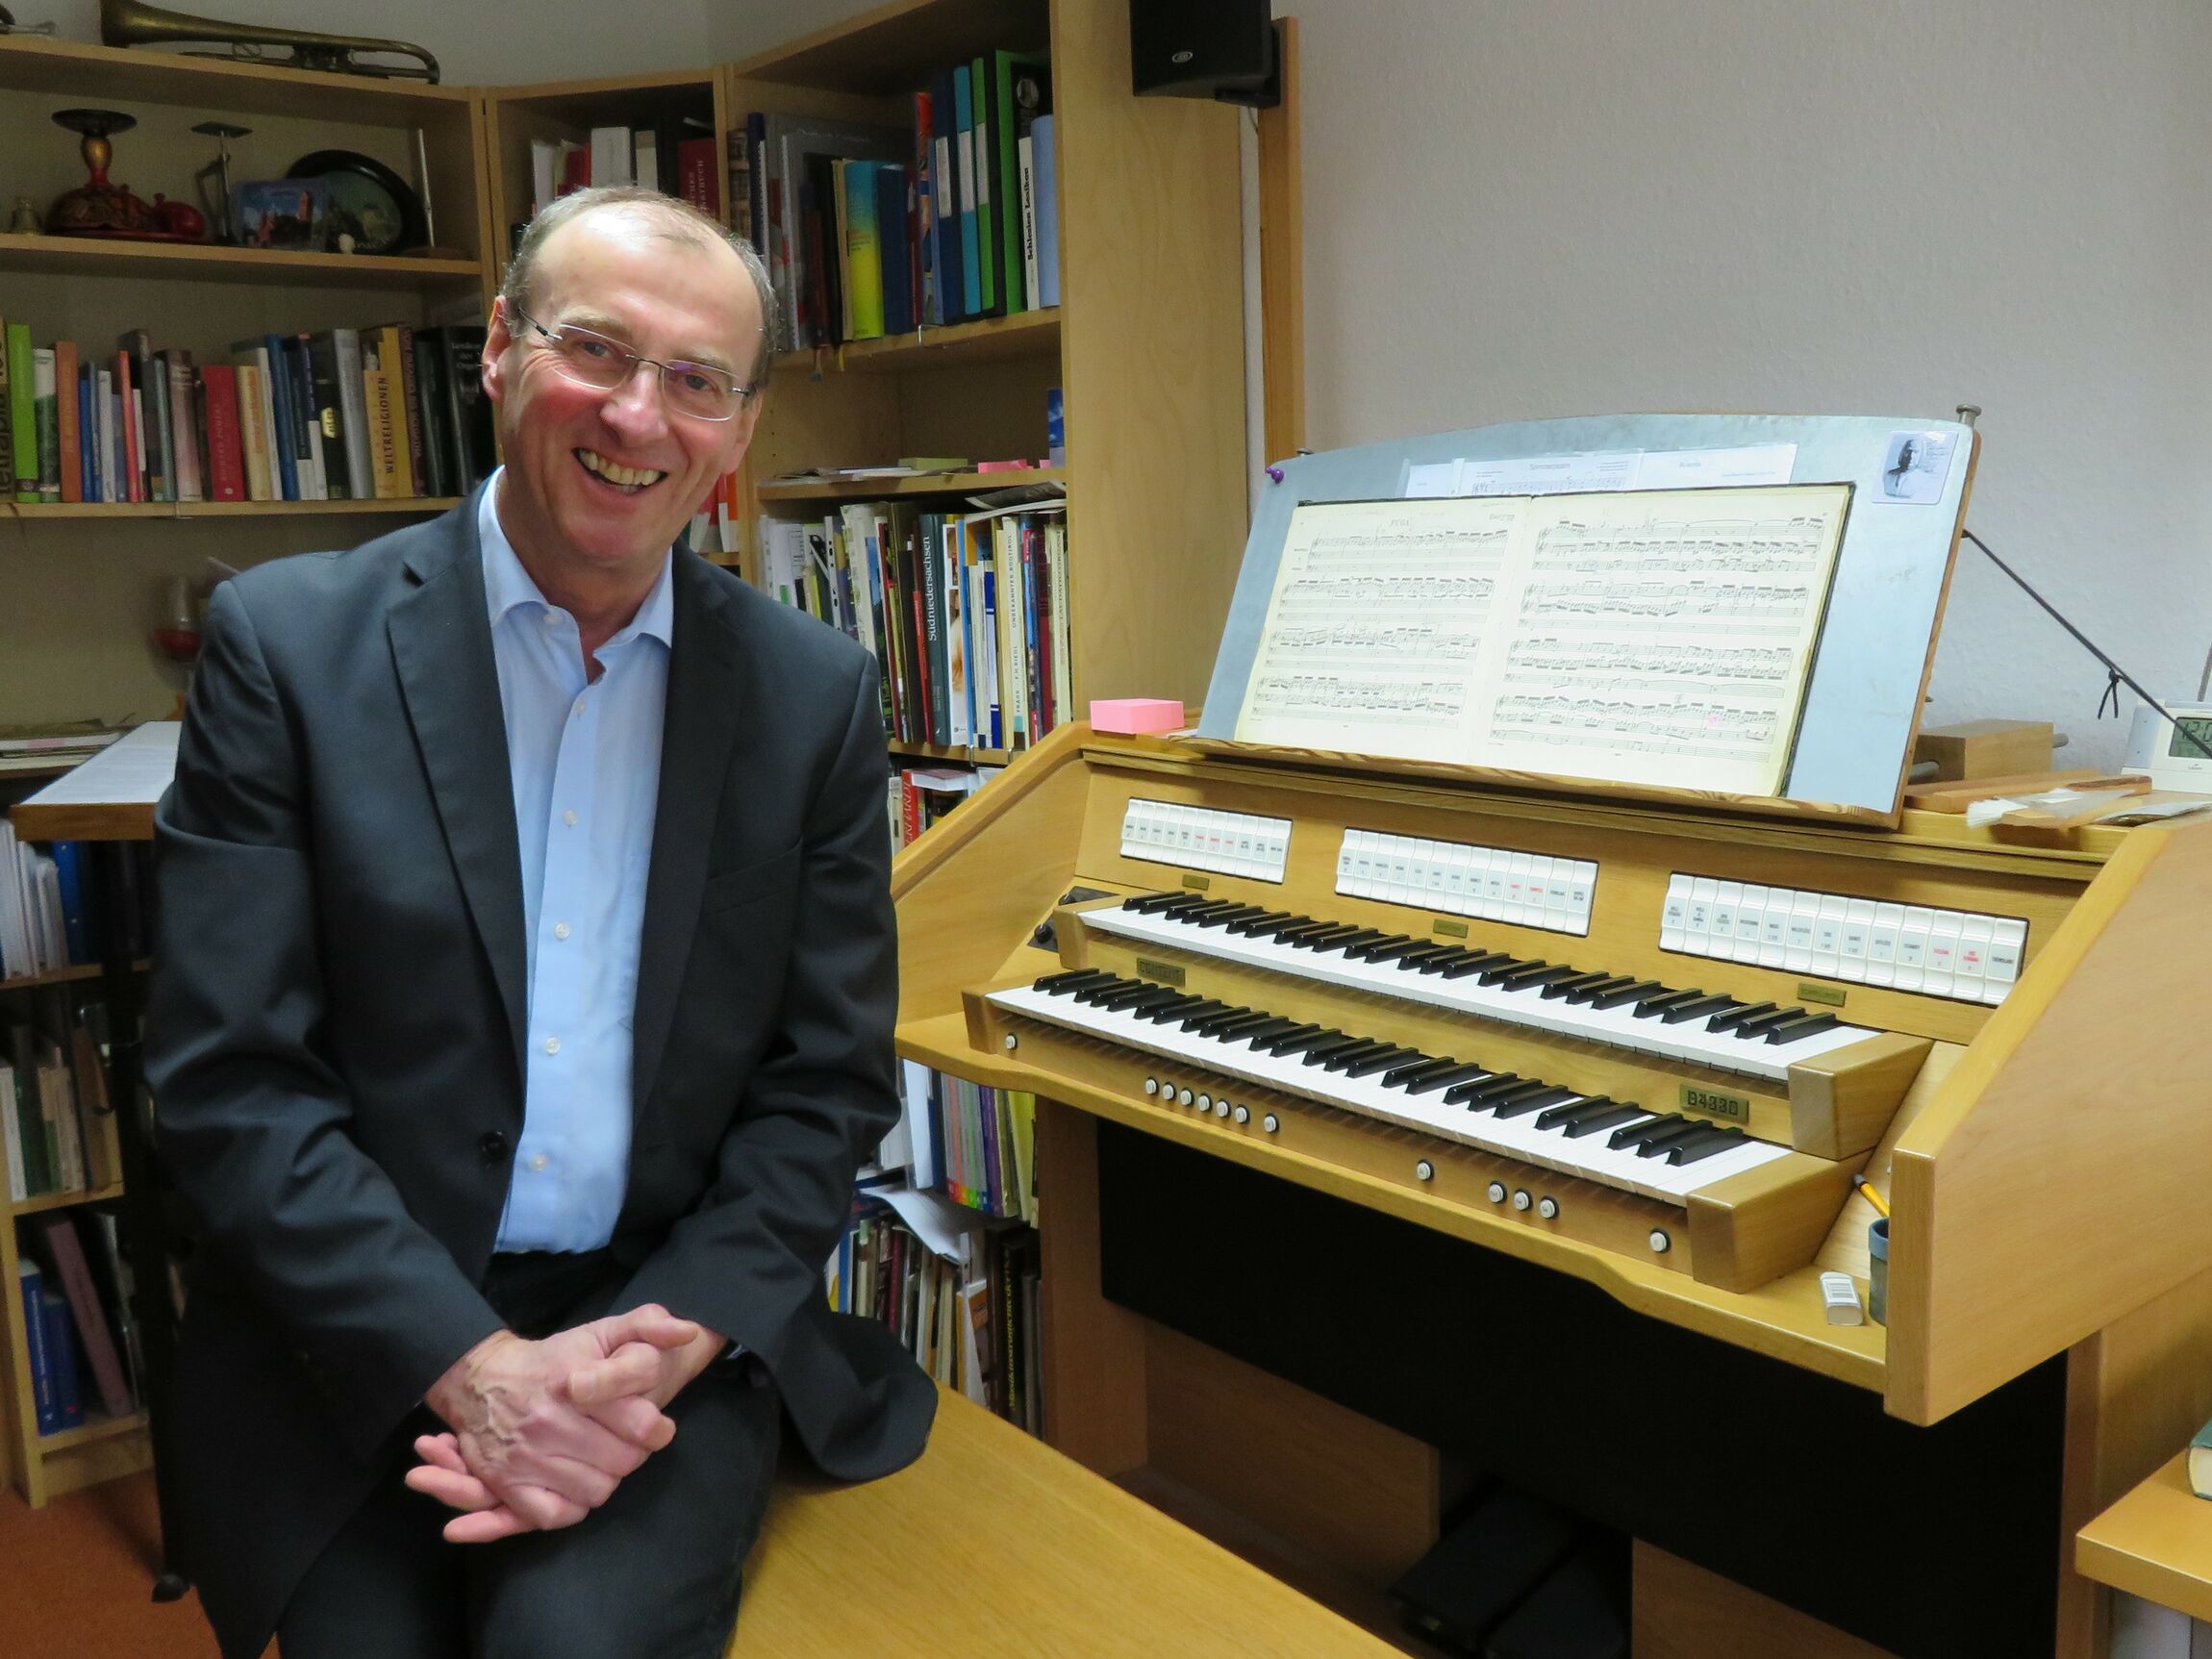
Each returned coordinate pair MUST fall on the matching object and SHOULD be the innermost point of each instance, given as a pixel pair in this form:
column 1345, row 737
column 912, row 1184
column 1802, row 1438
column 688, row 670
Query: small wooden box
column 1986, row 748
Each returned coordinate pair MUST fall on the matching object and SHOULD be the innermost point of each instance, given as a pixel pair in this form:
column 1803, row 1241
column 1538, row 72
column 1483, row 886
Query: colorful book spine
column 184, row 430
column 22, row 413
column 45, row 1407
column 987, row 203
column 46, row 410
column 220, row 419
column 964, row 164
column 62, row 1356
column 863, row 249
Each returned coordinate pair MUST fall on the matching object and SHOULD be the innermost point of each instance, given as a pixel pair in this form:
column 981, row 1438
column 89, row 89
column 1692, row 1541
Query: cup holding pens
column 1878, row 1270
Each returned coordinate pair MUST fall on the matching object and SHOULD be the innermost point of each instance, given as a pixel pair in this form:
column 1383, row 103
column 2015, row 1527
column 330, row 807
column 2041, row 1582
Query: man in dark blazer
column 486, row 1338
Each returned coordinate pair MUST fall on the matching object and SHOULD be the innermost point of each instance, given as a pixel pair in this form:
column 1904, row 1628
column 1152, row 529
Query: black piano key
column 1098, row 989
column 1313, row 1053
column 1558, row 987
column 1604, row 985
column 1393, row 949
column 1734, row 1018
column 1599, row 1122
column 1181, row 904
column 1448, row 1079
column 1327, row 938
column 1757, row 1027
column 1356, row 944
column 1296, row 928
column 1798, row 1028
column 1492, row 1099
column 1069, row 979
column 1152, row 997
column 1421, row 955
column 1336, row 1060
column 1173, row 1008
column 1719, row 1140
column 1685, row 1133
column 1445, row 959
column 1636, row 1134
column 1581, row 1106
column 1233, row 1030
column 1373, row 1063
column 1459, row 1093
column 1505, row 968
column 1205, row 1025
column 1477, row 962
column 1267, row 922
column 1696, row 1008
column 1626, row 995
column 1300, row 1040
column 1651, row 1007
column 1277, row 1026
column 1520, row 1105
column 1210, row 1009
column 1409, row 1074
column 1235, row 913
column 1144, row 903
column 1541, row 974
column 1206, row 907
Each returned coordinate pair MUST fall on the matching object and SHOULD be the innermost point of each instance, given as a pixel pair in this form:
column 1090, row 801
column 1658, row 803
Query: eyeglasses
column 697, row 390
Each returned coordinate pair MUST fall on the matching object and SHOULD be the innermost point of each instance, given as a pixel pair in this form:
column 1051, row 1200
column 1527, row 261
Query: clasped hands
column 540, row 1433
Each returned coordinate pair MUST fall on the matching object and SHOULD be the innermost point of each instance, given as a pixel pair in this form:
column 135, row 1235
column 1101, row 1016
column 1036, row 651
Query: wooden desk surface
column 2156, row 1543
column 995, row 1544
column 109, row 797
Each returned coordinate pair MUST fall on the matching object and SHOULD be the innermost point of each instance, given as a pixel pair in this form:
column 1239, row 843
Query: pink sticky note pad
column 1126, row 717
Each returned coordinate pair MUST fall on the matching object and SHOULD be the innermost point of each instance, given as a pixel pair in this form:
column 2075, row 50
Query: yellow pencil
column 1873, row 1197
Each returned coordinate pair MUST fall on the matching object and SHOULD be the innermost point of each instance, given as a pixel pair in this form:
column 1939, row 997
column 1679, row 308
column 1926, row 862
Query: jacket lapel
column 442, row 647
column 705, row 713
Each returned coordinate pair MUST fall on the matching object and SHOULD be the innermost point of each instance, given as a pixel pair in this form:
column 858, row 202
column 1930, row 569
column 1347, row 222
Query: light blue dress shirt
column 584, row 757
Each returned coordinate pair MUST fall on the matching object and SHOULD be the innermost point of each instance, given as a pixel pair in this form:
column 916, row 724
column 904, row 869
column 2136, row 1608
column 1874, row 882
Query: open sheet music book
column 1645, row 637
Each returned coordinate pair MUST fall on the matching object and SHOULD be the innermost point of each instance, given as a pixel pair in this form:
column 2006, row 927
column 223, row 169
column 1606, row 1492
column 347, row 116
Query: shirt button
column 538, row 1161
column 493, row 1145
column 560, row 930
column 576, row 708
column 551, row 618
column 569, row 817
column 552, row 1045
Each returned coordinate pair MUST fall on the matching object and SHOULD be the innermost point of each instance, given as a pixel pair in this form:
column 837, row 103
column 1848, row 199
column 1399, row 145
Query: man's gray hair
column 665, row 216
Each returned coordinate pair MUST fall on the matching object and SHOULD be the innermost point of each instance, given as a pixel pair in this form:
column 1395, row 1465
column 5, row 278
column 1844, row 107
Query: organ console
column 1639, row 1046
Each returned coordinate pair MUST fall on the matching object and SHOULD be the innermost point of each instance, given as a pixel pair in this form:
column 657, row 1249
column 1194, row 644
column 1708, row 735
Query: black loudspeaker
column 1221, row 49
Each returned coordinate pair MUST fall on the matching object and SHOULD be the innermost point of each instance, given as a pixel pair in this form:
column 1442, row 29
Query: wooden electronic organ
column 1645, row 1047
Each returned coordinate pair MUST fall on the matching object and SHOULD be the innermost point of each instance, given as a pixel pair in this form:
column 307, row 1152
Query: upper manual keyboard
column 1758, row 1039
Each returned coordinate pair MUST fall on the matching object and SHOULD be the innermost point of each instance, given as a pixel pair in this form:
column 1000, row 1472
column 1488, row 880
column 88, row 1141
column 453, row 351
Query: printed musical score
column 1638, row 637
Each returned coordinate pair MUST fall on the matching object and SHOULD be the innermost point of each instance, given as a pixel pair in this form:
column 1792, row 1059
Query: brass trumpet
column 129, row 23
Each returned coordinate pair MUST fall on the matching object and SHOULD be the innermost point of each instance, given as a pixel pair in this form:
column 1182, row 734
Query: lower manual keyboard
column 1660, row 1155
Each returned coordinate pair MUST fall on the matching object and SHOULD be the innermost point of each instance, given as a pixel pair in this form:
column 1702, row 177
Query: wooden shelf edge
column 2156, row 1543
column 180, row 509
column 949, row 338
column 927, row 484
column 73, row 974
column 92, row 1431
column 1849, row 1354
column 29, row 251
column 954, row 752
column 65, row 1200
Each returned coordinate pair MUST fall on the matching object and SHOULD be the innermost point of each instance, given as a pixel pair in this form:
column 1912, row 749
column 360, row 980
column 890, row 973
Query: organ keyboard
column 1646, row 1045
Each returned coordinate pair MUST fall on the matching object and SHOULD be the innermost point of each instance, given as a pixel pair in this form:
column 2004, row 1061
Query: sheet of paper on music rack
column 1643, row 636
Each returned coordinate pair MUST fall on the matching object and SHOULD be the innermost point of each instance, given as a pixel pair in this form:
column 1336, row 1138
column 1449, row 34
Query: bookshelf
column 83, row 582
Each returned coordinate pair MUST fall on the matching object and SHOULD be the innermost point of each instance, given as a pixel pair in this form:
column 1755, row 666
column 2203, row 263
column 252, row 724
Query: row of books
column 975, row 1143
column 60, row 1135
column 920, row 795
column 963, row 1300
column 965, row 613
column 874, row 230
column 75, row 1284
column 49, row 917
column 674, row 156
column 342, row 415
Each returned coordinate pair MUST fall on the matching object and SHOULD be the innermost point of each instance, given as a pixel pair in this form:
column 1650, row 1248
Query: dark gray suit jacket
column 337, row 1020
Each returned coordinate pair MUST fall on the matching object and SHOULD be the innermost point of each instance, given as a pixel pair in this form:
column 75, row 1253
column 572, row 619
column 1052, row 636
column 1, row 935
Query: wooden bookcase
column 81, row 583
column 1146, row 348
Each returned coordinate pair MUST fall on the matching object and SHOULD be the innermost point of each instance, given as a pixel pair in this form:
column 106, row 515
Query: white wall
column 475, row 43
column 1527, row 208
